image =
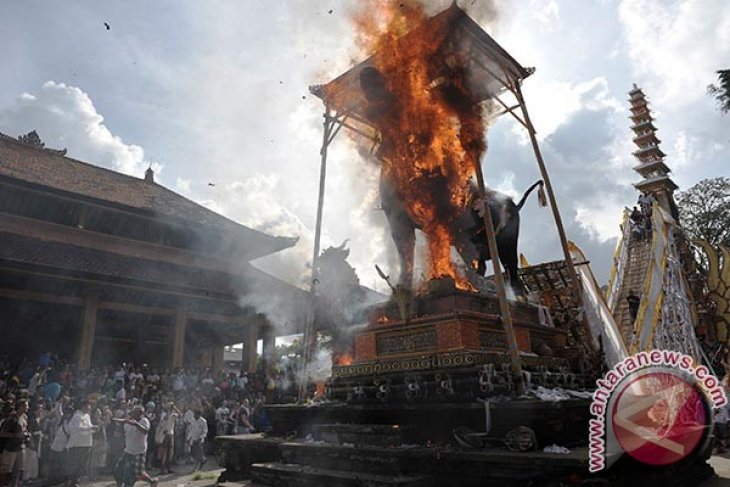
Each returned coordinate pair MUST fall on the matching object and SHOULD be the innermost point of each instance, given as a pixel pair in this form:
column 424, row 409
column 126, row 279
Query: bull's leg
column 508, row 257
column 404, row 237
column 406, row 245
column 473, row 258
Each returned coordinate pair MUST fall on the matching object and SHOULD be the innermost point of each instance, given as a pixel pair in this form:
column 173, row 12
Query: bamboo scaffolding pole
column 572, row 274
column 504, row 307
column 309, row 338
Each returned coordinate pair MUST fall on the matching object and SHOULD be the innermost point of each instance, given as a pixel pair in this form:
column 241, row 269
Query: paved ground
column 184, row 477
column 721, row 464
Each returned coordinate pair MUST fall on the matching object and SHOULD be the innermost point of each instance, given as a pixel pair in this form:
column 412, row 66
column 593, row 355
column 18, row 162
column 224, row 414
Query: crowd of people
column 640, row 217
column 61, row 425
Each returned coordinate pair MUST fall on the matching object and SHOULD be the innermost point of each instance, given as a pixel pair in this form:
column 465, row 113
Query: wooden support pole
column 506, row 315
column 576, row 285
column 178, row 341
column 310, row 335
column 88, row 331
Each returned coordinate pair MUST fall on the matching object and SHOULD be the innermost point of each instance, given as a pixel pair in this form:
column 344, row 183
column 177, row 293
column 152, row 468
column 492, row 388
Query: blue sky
column 216, row 92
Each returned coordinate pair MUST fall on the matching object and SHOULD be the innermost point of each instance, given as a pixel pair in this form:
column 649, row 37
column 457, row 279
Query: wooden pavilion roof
column 466, row 45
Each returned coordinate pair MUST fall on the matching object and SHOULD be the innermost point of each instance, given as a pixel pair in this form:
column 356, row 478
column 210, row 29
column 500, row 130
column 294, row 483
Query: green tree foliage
column 721, row 91
column 705, row 210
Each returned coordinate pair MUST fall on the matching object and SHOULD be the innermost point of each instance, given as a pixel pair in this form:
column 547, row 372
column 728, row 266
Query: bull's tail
column 527, row 193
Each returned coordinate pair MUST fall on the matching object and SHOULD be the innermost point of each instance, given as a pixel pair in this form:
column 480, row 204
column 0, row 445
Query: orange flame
column 343, row 359
column 432, row 132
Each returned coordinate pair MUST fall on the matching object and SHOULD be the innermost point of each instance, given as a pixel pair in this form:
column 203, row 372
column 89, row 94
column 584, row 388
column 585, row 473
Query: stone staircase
column 343, row 456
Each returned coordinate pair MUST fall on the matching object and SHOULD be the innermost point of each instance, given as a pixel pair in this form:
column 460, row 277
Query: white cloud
column 546, row 12
column 182, row 186
column 553, row 102
column 65, row 116
column 677, row 46
column 600, row 217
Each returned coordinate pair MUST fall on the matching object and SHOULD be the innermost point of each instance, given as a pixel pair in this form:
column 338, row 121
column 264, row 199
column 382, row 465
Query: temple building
column 104, row 268
column 648, row 292
column 651, row 167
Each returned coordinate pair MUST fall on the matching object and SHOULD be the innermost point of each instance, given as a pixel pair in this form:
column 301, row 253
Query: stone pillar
column 178, row 337
column 217, row 358
column 88, row 331
column 250, row 341
column 269, row 338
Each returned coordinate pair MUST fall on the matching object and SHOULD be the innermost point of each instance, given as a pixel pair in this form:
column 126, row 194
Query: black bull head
column 467, row 228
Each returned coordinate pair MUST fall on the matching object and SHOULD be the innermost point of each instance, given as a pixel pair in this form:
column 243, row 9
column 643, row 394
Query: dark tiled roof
column 73, row 260
column 50, row 169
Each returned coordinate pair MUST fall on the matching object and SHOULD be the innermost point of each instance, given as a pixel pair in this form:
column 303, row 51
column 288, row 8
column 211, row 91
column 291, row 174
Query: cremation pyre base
column 454, row 348
column 388, row 445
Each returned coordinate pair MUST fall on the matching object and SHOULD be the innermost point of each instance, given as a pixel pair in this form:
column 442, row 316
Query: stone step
column 365, row 434
column 391, row 461
column 295, row 475
column 236, row 453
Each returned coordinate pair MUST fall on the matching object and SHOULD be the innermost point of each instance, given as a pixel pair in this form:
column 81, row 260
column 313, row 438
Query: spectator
column 57, row 460
column 131, row 466
column 634, row 301
column 14, row 434
column 165, row 436
column 81, row 433
column 196, row 438
column 100, row 419
column 33, row 444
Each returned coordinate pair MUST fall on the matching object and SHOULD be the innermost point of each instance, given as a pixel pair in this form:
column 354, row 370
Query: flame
column 343, row 359
column 432, row 132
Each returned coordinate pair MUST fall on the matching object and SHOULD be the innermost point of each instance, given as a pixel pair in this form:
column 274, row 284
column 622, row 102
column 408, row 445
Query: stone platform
column 564, row 422
column 291, row 462
column 454, row 348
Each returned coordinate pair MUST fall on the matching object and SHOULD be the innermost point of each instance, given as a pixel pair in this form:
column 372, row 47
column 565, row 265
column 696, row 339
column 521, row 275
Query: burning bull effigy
column 426, row 95
column 424, row 99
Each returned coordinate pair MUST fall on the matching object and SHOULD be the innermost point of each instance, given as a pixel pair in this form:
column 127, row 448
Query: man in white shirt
column 196, row 439
column 222, row 416
column 80, row 440
column 121, row 394
column 165, row 436
column 134, row 376
column 188, row 419
column 130, row 467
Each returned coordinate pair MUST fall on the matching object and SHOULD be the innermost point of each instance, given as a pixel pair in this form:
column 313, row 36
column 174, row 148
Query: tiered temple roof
column 651, row 164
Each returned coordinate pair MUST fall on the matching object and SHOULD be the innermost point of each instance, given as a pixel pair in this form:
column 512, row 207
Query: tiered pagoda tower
column 653, row 267
column 651, row 167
